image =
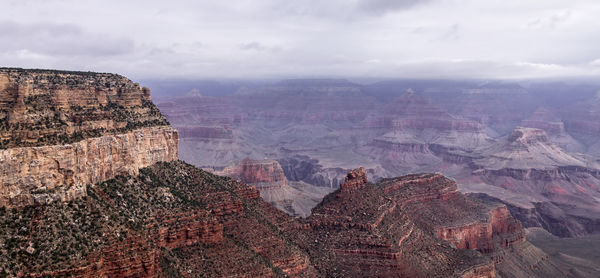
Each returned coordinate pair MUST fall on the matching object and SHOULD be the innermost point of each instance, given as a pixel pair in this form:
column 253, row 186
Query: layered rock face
column 411, row 127
column 38, row 175
column 295, row 197
column 527, row 148
column 263, row 174
column 63, row 130
column 46, row 107
column 416, row 225
column 527, row 162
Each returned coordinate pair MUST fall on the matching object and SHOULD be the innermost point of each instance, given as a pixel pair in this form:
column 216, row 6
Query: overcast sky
column 305, row 38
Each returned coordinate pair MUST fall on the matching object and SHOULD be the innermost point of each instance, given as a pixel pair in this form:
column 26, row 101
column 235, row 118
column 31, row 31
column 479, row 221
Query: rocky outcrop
column 171, row 219
column 263, row 174
column 294, row 197
column 39, row 175
column 355, row 179
column 483, row 228
column 363, row 229
column 60, row 131
column 500, row 230
column 47, row 107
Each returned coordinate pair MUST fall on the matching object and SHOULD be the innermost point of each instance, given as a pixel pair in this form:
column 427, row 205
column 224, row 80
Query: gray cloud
column 258, row 47
column 59, row 40
column 271, row 38
column 384, row 6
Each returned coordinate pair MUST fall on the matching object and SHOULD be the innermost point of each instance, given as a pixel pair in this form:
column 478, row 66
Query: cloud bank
column 305, row 38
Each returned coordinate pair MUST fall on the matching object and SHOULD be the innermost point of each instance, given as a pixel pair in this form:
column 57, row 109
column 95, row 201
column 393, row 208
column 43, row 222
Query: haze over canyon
column 91, row 185
column 265, row 138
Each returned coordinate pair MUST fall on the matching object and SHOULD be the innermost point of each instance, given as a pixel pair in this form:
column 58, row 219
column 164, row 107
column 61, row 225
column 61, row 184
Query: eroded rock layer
column 413, row 226
column 171, row 219
column 48, row 107
column 38, row 175
column 263, row 174
column 174, row 219
column 60, row 131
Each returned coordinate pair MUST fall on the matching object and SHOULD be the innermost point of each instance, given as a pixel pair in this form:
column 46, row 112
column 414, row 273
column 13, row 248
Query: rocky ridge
column 366, row 229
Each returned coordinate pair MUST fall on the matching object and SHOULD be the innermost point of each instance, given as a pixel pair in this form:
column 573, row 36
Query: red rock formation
column 355, row 179
column 263, row 174
column 43, row 107
column 377, row 228
column 440, row 206
column 500, row 230
column 38, row 175
column 188, row 228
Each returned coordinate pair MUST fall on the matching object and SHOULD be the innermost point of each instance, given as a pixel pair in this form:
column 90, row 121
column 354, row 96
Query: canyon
column 530, row 145
column 140, row 212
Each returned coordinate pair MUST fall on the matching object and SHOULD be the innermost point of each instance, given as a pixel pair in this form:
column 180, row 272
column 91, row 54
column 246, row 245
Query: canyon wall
column 38, row 175
column 60, row 131
column 47, row 107
column 263, row 174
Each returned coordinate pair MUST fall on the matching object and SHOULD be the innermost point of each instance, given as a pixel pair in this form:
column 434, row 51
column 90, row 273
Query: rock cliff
column 294, row 197
column 263, row 174
column 417, row 225
column 38, row 175
column 48, row 107
column 63, row 130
